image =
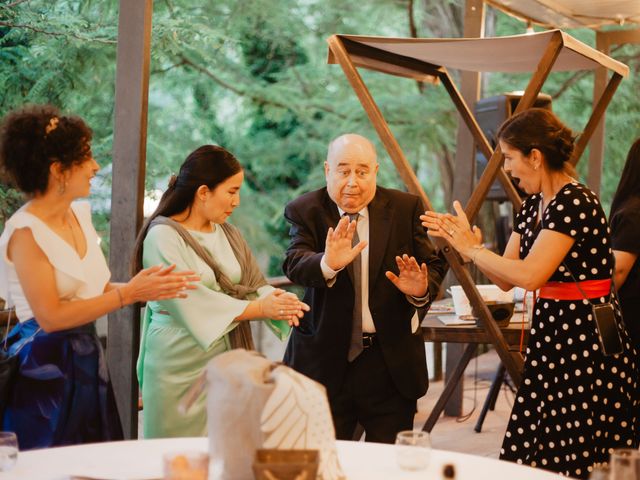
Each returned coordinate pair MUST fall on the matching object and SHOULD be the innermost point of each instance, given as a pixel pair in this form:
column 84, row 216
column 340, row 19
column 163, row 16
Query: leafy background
column 252, row 76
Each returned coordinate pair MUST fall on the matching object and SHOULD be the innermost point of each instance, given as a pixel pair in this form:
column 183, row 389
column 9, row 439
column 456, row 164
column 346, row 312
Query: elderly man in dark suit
column 361, row 339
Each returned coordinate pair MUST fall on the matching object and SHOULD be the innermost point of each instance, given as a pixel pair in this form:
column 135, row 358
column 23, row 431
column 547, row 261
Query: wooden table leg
column 450, row 386
column 453, row 407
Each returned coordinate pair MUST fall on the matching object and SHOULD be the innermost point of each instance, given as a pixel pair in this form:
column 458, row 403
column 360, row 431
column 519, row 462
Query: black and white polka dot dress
column 574, row 404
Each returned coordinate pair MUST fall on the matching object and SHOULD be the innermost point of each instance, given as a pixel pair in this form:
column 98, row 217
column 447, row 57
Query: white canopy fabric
column 518, row 53
column 572, row 13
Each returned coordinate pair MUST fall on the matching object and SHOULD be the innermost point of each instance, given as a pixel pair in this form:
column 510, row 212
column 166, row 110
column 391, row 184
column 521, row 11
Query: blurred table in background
column 442, row 325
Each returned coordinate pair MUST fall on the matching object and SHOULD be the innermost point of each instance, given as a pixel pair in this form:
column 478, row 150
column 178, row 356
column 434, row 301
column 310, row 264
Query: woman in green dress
column 188, row 229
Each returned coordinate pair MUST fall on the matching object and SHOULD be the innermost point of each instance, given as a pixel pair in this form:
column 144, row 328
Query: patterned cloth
column 254, row 403
column 574, row 404
column 62, row 395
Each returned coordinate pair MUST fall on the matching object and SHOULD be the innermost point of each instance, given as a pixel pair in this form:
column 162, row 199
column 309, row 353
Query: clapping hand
column 453, row 228
column 413, row 279
column 283, row 305
column 158, row 283
column 338, row 250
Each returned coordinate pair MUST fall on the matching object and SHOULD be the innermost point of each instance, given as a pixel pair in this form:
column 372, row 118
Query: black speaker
column 490, row 113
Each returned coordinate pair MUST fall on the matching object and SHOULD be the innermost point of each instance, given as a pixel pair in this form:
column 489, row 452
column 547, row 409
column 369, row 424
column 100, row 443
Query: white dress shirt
column 330, row 276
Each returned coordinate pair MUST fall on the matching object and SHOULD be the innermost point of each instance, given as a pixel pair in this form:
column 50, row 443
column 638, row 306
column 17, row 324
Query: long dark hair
column 539, row 128
column 629, row 185
column 208, row 165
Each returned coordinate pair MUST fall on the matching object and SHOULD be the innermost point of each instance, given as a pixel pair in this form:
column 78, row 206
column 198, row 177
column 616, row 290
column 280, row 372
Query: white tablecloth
column 142, row 459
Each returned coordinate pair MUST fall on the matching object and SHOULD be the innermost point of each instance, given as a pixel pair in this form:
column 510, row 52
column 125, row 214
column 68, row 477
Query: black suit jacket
column 318, row 348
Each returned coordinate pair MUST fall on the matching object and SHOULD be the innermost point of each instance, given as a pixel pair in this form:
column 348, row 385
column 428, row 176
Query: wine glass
column 625, row 464
column 8, row 450
column 413, row 449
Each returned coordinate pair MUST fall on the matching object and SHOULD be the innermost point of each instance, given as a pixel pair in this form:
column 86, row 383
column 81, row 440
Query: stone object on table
column 253, row 404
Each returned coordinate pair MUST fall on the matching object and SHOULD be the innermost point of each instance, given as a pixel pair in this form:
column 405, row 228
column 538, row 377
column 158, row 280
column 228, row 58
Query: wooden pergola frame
column 129, row 160
column 351, row 52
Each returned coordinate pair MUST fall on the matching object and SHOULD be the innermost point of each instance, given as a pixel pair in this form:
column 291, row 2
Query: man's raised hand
column 413, row 279
column 338, row 251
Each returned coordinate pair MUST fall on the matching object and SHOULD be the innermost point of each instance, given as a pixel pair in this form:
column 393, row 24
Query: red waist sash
column 570, row 290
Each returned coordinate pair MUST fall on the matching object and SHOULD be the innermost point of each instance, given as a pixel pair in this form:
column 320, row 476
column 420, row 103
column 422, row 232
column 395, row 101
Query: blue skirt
column 62, row 394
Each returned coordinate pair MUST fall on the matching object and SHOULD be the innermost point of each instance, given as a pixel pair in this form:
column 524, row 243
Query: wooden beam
column 464, row 169
column 465, row 160
column 514, row 367
column 377, row 119
column 596, row 148
column 127, row 194
column 604, row 42
column 528, row 99
column 594, row 121
column 620, row 37
column 480, row 140
column 373, row 58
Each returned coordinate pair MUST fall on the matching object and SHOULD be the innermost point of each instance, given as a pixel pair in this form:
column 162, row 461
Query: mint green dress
column 180, row 336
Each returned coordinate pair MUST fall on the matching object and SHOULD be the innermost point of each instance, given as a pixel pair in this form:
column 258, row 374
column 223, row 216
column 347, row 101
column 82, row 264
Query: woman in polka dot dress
column 575, row 403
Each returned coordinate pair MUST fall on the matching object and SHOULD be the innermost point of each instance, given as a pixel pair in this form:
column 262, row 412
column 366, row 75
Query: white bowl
column 490, row 292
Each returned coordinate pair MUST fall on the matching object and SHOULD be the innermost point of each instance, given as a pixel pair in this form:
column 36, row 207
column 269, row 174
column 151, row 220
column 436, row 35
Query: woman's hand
column 283, row 305
column 455, row 229
column 158, row 283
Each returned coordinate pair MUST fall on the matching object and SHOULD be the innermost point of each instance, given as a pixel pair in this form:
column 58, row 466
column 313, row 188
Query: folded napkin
column 254, row 403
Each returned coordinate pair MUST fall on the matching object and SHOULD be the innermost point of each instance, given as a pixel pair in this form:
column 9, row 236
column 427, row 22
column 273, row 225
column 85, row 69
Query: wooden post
column 129, row 157
column 596, row 149
column 464, row 168
column 595, row 122
column 464, row 174
column 604, row 42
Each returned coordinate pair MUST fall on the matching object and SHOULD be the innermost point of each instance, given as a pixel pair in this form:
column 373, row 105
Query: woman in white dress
column 189, row 229
column 53, row 271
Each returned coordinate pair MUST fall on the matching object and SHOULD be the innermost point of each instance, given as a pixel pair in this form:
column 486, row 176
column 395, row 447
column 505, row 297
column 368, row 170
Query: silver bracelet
column 120, row 297
column 478, row 249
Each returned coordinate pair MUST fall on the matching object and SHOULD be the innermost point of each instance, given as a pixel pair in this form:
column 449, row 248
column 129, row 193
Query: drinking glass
column 8, row 450
column 413, row 449
column 625, row 464
column 186, row 466
column 600, row 472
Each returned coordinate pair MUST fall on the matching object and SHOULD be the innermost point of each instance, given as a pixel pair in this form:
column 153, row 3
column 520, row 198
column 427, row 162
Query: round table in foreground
column 142, row 460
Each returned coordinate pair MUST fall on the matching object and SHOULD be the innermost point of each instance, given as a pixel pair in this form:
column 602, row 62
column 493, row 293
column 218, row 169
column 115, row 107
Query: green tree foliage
column 251, row 75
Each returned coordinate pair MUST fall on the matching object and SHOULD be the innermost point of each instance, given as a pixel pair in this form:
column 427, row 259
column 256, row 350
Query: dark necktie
column 355, row 347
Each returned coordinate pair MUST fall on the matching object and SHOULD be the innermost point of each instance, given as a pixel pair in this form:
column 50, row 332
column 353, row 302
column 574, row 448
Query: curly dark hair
column 541, row 129
column 34, row 137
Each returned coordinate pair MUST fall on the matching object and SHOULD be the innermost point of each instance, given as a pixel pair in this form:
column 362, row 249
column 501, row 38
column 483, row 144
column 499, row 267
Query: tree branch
column 572, row 80
column 170, row 67
column 17, row 2
column 256, row 98
column 58, row 34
